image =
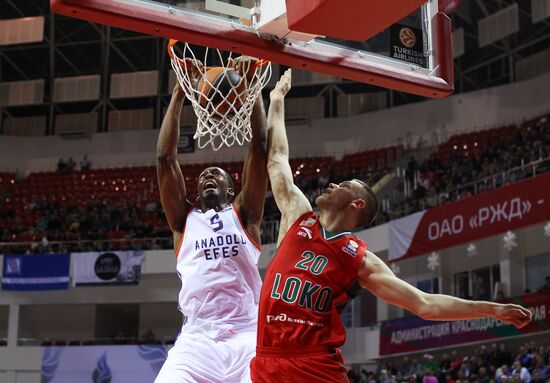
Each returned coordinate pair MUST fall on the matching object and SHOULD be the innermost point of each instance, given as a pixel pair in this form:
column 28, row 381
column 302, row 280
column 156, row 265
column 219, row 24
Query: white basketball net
column 213, row 127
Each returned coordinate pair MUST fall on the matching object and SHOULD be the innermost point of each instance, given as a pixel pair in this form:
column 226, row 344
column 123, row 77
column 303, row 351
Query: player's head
column 354, row 197
column 215, row 188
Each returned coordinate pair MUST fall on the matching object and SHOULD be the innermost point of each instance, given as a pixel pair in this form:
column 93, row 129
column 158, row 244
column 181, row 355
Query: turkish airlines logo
column 305, row 232
column 407, row 37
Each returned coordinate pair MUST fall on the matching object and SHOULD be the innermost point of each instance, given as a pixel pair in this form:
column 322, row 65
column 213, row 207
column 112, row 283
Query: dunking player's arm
column 289, row 198
column 376, row 276
column 170, row 178
column 250, row 202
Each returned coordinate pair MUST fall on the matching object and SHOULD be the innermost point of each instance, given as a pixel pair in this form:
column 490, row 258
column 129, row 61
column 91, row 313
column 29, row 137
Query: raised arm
column 170, row 177
column 289, row 198
column 376, row 276
column 250, row 201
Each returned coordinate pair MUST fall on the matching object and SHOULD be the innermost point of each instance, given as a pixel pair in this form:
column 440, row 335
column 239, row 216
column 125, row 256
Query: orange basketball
column 222, row 88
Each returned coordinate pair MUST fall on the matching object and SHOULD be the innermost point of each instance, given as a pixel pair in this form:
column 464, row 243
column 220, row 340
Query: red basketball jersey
column 308, row 283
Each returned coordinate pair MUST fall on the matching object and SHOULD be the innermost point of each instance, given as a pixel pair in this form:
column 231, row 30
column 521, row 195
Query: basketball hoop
column 215, row 125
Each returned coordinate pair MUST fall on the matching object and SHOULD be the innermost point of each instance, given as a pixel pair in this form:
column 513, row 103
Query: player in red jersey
column 319, row 266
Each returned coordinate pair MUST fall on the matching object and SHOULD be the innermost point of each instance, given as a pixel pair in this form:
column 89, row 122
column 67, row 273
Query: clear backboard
column 413, row 54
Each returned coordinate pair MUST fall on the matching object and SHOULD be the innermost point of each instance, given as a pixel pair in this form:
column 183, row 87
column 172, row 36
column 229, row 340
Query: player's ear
column 359, row 203
column 230, row 194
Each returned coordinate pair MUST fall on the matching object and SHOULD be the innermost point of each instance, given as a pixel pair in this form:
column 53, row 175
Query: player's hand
column 245, row 66
column 283, row 85
column 514, row 314
column 194, row 69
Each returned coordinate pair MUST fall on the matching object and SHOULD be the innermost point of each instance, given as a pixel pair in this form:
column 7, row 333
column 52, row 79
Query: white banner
column 102, row 364
column 401, row 234
column 116, row 268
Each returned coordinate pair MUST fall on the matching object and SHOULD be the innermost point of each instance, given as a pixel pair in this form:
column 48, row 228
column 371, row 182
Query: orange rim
column 173, row 56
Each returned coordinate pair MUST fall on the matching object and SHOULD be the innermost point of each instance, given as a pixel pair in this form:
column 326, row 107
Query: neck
column 335, row 221
column 212, row 203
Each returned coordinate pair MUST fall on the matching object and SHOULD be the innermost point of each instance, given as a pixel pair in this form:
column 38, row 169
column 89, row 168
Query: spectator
column 386, row 376
column 503, row 356
column 61, row 166
column 149, row 337
column 502, row 373
column 521, row 372
column 406, row 367
column 353, row 375
column 546, row 287
column 429, row 377
column 537, row 378
column 71, row 165
column 482, row 376
column 85, row 163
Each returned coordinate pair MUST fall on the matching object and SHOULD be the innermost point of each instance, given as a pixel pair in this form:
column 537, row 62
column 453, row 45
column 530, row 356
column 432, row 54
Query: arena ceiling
column 72, row 47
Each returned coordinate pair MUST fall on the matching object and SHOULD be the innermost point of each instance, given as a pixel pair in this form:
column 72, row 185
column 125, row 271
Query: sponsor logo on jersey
column 305, row 232
column 282, row 317
column 351, row 248
column 308, row 222
column 221, row 246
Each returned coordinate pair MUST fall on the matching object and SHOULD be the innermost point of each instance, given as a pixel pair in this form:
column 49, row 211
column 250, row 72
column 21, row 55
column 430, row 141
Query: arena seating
column 481, row 364
column 471, row 158
column 123, row 203
column 49, row 203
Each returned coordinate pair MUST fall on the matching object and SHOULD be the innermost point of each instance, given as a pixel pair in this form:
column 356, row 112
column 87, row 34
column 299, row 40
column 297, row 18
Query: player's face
column 213, row 183
column 339, row 195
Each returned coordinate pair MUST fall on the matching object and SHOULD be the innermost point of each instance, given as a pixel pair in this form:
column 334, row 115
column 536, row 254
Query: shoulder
column 350, row 252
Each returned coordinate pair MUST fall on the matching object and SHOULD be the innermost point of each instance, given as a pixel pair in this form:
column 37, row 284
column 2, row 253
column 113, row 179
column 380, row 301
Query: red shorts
column 284, row 366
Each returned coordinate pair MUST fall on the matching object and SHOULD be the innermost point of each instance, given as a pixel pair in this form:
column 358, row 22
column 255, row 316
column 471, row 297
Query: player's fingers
column 524, row 312
column 522, row 323
column 288, row 74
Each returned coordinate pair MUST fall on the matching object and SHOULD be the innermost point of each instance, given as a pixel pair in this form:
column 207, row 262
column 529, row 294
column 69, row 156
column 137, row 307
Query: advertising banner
column 102, row 364
column 406, row 44
column 115, row 268
column 411, row 334
column 510, row 207
column 36, row 272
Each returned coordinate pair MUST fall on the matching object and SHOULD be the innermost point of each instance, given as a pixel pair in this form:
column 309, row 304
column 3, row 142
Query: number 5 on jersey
column 216, row 222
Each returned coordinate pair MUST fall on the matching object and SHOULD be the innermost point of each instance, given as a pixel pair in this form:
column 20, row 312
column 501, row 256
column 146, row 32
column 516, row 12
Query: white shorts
column 197, row 358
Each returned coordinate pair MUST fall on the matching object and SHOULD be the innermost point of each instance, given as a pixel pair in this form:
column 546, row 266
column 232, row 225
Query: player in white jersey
column 217, row 250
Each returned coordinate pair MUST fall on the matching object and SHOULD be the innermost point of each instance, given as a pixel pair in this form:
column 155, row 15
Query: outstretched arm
column 250, row 201
column 376, row 276
column 289, row 198
column 170, row 177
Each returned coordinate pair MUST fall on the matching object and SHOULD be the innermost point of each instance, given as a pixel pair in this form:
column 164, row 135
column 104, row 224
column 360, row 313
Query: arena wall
column 432, row 120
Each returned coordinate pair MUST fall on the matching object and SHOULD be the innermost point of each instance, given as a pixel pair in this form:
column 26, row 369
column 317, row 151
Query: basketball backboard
column 413, row 55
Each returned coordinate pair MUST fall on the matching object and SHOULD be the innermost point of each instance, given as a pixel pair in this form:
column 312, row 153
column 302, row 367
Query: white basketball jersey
column 217, row 264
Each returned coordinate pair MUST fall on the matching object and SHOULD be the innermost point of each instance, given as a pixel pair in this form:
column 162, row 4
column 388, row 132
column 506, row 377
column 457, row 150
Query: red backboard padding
column 356, row 20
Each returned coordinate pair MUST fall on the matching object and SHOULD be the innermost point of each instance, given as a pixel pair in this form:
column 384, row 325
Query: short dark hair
column 372, row 205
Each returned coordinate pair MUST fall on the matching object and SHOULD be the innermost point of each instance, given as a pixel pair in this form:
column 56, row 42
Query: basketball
column 224, row 89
